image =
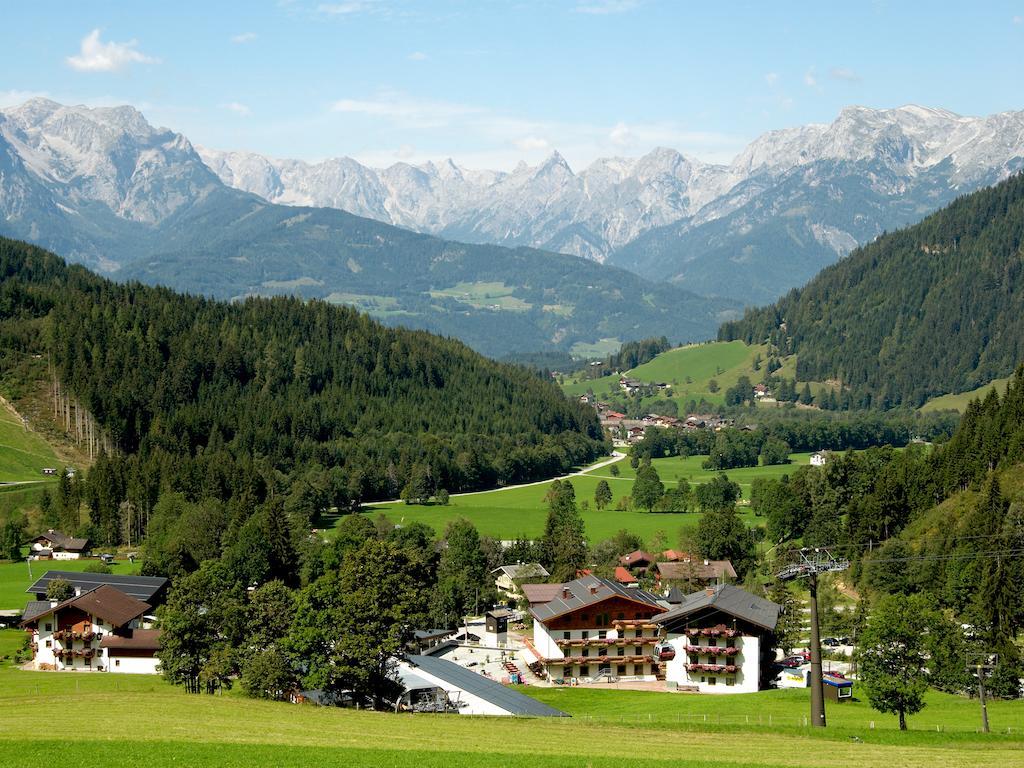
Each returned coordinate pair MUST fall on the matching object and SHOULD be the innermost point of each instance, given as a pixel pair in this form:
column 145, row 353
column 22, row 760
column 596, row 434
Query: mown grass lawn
column 781, row 708
column 121, row 720
column 15, row 579
column 508, row 513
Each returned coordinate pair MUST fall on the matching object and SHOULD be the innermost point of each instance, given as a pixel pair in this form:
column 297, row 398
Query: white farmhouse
column 101, row 630
column 819, row 459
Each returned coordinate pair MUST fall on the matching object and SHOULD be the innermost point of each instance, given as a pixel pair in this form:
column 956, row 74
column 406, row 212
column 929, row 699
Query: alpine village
column 348, row 422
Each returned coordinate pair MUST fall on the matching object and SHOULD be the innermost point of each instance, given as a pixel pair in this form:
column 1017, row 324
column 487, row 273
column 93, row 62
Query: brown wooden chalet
column 596, row 627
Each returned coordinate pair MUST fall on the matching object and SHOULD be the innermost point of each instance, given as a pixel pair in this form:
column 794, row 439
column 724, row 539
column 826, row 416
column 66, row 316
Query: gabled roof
column 476, row 684
column 697, row 569
column 728, row 599
column 623, row 576
column 589, row 590
column 35, row 609
column 136, row 639
column 63, row 541
column 523, row 571
column 541, row 593
column 144, row 588
column 636, row 557
column 105, row 602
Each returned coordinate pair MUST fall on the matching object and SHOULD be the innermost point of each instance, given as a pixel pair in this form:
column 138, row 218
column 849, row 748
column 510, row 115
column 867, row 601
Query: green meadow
column 512, row 512
column 960, row 400
column 15, row 578
column 122, row 720
column 23, row 454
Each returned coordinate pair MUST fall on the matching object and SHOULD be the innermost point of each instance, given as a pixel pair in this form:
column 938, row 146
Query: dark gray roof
column 728, row 599
column 589, row 590
column 675, row 596
column 61, row 540
column 489, row 690
column 143, row 588
column 35, row 609
column 431, row 634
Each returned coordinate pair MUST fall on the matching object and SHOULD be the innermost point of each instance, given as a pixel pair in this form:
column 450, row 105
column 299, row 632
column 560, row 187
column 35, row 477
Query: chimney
column 566, row 594
column 593, row 589
column 710, row 591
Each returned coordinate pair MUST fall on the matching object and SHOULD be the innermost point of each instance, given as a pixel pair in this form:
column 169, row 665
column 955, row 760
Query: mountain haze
column 105, row 188
column 790, row 203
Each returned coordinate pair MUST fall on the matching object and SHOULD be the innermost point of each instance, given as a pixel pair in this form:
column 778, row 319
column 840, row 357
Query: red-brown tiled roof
column 136, row 639
column 623, row 576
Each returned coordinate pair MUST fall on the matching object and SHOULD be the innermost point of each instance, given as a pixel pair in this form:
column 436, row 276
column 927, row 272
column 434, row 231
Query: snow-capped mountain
column 104, row 188
column 611, row 203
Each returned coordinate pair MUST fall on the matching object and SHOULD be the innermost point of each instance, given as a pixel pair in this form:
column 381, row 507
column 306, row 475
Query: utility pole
column 980, row 664
column 812, row 562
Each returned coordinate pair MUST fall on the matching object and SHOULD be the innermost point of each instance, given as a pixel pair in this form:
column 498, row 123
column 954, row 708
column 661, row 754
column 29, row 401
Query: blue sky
column 491, row 83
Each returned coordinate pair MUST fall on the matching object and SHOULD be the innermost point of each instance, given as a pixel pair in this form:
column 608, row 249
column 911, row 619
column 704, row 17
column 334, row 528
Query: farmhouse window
column 49, row 627
column 117, row 662
column 712, row 681
column 602, row 634
column 566, row 635
column 49, row 643
column 621, row 669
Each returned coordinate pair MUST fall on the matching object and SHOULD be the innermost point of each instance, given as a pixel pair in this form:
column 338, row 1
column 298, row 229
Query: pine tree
column 602, row 494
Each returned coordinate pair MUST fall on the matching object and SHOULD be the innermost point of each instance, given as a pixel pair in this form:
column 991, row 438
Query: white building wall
column 131, row 665
column 748, row 661
column 66, row 555
column 544, row 642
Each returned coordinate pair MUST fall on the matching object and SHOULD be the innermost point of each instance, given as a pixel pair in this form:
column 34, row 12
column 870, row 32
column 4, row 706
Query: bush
column 97, row 567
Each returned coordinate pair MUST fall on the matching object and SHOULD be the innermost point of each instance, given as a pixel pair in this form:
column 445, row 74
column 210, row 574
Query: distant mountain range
column 105, row 188
column 792, row 202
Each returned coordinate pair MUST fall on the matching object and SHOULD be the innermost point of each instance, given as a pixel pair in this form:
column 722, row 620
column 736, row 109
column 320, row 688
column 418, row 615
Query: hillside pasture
column 23, row 453
column 960, row 400
column 513, row 512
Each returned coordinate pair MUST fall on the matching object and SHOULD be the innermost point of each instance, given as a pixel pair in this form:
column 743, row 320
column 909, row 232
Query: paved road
column 616, row 456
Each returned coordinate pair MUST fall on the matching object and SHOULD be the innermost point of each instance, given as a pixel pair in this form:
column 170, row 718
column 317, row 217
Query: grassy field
column 14, row 578
column 121, row 720
column 786, row 707
column 508, row 513
column 958, row 402
column 23, row 454
column 689, row 369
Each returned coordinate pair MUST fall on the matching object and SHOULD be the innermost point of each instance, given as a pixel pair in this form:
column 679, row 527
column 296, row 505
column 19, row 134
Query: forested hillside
column 267, row 398
column 931, row 309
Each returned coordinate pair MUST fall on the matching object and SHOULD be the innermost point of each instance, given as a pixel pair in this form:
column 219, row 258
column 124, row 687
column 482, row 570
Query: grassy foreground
column 512, row 512
column 131, row 720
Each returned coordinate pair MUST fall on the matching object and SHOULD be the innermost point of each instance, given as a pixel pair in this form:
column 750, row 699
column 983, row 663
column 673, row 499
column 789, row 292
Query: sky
column 491, row 84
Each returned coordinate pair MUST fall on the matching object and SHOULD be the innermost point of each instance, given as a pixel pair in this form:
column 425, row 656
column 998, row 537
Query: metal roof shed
column 480, row 695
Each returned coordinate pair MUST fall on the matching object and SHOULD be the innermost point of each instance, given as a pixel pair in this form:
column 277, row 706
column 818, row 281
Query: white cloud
column 811, row 78
column 416, row 112
column 405, row 152
column 1018, row 19
column 238, row 108
column 97, row 56
column 772, row 78
column 418, row 56
column 844, row 73
column 606, row 7
column 244, row 37
column 621, row 136
column 531, row 144
column 348, row 8
column 14, row 98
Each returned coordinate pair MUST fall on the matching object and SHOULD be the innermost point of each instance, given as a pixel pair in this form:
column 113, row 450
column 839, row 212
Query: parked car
column 832, row 642
column 664, row 652
column 792, row 662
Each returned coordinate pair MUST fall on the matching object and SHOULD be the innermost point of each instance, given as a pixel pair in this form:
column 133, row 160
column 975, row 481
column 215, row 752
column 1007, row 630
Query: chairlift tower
column 811, row 562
